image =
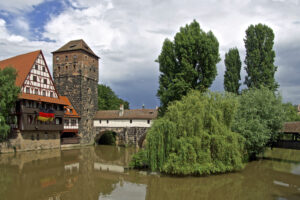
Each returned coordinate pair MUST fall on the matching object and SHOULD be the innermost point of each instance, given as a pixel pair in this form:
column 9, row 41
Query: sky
column 128, row 36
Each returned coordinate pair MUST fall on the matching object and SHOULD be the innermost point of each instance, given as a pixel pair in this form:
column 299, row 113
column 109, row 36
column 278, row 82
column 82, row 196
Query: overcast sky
column 128, row 36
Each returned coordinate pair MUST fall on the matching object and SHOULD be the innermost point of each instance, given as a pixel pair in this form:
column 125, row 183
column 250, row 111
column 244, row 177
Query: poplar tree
column 260, row 57
column 188, row 62
column 233, row 69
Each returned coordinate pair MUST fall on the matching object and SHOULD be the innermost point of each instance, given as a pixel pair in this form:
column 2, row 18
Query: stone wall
column 78, row 80
column 132, row 136
column 31, row 140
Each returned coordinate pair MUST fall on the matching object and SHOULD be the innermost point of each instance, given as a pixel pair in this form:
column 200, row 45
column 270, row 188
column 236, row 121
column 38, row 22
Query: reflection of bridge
column 291, row 137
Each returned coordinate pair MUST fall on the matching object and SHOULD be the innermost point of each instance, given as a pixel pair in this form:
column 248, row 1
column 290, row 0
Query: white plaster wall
column 122, row 123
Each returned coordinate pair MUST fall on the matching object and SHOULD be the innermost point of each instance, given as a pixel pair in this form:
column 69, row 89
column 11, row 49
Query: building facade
column 75, row 71
column 39, row 108
column 71, row 124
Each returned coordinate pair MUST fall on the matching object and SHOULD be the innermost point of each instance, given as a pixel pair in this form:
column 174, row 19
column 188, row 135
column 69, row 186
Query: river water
column 99, row 173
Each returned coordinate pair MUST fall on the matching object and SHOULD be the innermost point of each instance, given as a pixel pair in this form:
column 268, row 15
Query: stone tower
column 75, row 72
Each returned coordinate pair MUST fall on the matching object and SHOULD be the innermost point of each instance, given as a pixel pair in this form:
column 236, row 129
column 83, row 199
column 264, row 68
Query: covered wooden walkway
column 291, row 136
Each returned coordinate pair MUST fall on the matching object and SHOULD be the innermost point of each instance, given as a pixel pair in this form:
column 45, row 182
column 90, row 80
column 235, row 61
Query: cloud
column 128, row 36
column 18, row 6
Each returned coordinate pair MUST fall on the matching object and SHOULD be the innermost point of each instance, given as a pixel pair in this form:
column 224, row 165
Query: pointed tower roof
column 22, row 63
column 76, row 45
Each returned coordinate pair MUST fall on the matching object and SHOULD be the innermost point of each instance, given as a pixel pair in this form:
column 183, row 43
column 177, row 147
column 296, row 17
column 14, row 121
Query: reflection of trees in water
column 256, row 181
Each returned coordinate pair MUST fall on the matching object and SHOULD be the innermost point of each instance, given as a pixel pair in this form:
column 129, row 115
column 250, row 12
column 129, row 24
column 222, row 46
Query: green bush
column 195, row 137
column 139, row 160
column 291, row 112
column 259, row 119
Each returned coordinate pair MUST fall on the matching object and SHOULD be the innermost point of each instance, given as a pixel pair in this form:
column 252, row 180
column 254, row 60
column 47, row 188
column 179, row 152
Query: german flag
column 46, row 115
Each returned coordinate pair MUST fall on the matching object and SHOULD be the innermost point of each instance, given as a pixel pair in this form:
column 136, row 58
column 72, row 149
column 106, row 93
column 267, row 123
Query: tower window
column 74, row 58
column 66, row 58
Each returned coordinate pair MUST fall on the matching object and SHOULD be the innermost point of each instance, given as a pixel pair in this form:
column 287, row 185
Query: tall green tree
column 233, row 69
column 108, row 100
column 260, row 57
column 259, row 119
column 8, row 97
column 188, row 62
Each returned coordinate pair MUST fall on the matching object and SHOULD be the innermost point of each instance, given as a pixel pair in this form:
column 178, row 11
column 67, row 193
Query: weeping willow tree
column 195, row 137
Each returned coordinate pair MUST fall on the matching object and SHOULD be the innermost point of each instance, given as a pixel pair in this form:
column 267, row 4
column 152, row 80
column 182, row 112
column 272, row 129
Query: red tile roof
column 128, row 114
column 42, row 98
column 68, row 107
column 22, row 63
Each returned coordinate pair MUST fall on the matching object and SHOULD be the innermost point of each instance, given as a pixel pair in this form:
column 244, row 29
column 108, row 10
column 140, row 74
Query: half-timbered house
column 39, row 109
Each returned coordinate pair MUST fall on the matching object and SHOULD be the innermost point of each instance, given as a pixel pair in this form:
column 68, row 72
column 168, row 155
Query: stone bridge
column 133, row 136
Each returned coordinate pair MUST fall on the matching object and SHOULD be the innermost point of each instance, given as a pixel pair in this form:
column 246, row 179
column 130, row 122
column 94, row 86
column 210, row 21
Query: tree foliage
column 233, row 68
column 260, row 57
column 195, row 137
column 108, row 100
column 188, row 62
column 259, row 119
column 291, row 112
column 8, row 97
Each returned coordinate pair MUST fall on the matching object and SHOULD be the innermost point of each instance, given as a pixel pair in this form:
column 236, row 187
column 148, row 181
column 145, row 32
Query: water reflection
column 100, row 173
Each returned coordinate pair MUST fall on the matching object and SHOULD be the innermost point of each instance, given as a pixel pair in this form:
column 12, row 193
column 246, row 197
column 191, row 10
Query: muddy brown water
column 99, row 173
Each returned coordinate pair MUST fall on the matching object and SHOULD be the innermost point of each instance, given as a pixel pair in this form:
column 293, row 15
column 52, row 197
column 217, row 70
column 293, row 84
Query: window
column 58, row 120
column 66, row 122
column 71, row 111
column 74, row 58
column 51, row 94
column 107, row 121
column 27, row 90
column 44, row 93
column 34, row 78
column 99, row 121
column 58, row 68
column 36, row 91
column 66, row 58
column 131, row 121
column 38, row 136
column 29, row 119
column 45, row 81
column 36, row 67
column 148, row 121
column 57, row 58
column 44, row 69
column 73, row 122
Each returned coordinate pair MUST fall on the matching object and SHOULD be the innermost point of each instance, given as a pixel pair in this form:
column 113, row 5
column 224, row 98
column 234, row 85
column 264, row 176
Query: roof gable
column 76, row 45
column 22, row 63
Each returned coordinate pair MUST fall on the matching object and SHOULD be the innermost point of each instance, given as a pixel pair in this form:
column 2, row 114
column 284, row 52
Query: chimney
column 121, row 112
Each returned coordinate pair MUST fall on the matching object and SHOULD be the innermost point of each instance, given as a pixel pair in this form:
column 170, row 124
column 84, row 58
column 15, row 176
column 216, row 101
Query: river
column 99, row 173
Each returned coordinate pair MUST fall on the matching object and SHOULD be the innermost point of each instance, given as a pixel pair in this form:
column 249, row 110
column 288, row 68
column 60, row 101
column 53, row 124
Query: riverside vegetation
column 207, row 133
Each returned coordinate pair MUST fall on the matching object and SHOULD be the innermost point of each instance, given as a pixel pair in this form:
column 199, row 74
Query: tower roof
column 76, row 45
column 22, row 63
